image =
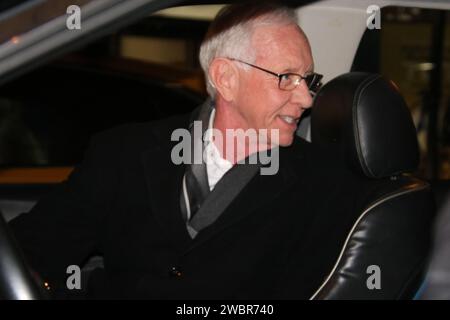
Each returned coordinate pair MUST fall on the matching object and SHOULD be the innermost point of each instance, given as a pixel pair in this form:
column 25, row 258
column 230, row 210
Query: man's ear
column 224, row 76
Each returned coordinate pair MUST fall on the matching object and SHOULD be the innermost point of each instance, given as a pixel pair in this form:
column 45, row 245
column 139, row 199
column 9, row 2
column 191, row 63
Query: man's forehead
column 285, row 46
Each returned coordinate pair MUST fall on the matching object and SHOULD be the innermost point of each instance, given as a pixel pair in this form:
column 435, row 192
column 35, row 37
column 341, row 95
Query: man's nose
column 301, row 96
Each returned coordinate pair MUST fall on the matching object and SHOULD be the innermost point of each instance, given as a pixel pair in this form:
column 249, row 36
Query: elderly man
column 214, row 229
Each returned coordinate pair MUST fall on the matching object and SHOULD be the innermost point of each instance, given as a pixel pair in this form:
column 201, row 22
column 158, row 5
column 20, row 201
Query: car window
column 144, row 72
column 412, row 48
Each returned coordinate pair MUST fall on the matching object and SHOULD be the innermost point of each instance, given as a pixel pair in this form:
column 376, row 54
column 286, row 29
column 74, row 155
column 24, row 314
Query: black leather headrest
column 365, row 117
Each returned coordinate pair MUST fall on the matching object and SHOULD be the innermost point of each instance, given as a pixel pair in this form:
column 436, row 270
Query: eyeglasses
column 289, row 81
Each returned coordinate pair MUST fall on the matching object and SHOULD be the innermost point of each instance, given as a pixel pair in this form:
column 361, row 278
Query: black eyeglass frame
column 313, row 84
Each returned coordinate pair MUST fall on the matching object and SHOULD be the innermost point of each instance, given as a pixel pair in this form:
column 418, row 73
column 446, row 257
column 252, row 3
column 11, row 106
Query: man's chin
column 279, row 138
column 284, row 141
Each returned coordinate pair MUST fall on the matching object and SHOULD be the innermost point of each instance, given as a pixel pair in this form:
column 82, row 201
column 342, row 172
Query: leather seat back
column 364, row 124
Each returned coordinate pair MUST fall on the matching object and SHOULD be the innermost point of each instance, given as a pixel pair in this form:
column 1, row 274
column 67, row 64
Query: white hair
column 235, row 42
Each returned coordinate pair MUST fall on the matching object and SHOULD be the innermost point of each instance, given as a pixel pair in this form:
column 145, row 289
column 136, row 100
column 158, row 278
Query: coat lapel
column 164, row 182
column 164, row 178
column 259, row 192
column 225, row 191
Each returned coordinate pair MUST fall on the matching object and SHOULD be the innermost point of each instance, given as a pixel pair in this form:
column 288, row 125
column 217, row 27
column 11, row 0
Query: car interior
column 360, row 119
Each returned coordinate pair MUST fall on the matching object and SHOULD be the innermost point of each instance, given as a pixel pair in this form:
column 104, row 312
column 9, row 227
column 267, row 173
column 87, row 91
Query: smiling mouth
column 290, row 120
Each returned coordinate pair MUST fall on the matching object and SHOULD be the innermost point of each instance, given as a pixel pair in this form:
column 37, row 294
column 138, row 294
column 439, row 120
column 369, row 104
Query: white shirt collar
column 216, row 166
column 208, row 135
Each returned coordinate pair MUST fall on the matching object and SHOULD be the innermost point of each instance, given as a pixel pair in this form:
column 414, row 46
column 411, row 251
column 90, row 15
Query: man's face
column 259, row 102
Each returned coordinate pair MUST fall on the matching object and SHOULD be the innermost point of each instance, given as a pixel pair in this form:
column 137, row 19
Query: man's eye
column 285, row 77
